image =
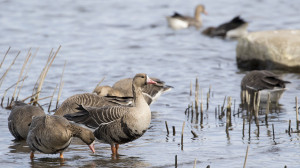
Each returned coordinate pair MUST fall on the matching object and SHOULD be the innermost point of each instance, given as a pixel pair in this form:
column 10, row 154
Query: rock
column 278, row 49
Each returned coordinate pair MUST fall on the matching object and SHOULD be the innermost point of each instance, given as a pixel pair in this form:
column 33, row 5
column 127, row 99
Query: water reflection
column 19, row 147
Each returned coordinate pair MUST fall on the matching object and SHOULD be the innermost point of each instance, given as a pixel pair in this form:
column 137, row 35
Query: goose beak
column 205, row 12
column 150, row 81
column 92, row 147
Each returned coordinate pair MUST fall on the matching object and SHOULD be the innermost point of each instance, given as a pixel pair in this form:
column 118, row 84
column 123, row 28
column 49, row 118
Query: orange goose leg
column 117, row 147
column 113, row 150
column 31, row 155
column 61, row 155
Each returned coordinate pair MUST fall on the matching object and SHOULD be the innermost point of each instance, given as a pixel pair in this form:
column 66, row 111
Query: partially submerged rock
column 278, row 49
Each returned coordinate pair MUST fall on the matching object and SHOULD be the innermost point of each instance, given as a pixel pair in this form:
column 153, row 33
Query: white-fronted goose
column 89, row 99
column 118, row 124
column 235, row 28
column 20, row 117
column 264, row 82
column 123, row 88
column 53, row 134
column 178, row 21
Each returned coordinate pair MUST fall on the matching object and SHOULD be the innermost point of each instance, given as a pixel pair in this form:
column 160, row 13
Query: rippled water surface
column 117, row 39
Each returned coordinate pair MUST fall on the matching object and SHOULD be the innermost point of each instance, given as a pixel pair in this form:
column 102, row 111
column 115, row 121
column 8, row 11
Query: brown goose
column 264, row 82
column 123, row 88
column 89, row 99
column 118, row 124
column 53, row 134
column 178, row 21
column 20, row 117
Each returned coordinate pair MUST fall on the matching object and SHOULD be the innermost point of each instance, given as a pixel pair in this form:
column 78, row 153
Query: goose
column 20, row 116
column 52, row 134
column 90, row 99
column 235, row 28
column 123, row 88
column 178, row 21
column 116, row 125
column 264, row 82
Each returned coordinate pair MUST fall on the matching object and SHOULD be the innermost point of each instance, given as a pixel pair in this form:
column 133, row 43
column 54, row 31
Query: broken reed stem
column 207, row 100
column 21, row 73
column 222, row 108
column 175, row 161
column 195, row 162
column 174, row 132
column 182, row 135
column 10, row 88
column 98, row 84
column 246, row 156
column 297, row 114
column 194, row 134
column 45, row 71
column 267, row 109
column 61, row 85
column 201, row 103
column 52, row 97
column 289, row 130
column 4, row 56
column 243, row 127
column 29, row 97
column 191, row 87
column 196, row 95
column 273, row 132
column 167, row 127
column 5, row 73
column 27, row 70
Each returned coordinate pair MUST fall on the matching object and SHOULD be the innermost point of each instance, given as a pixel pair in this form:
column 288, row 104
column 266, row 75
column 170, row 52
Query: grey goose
column 89, row 99
column 52, row 134
column 20, row 117
column 264, row 82
column 178, row 21
column 123, row 88
column 235, row 28
column 116, row 125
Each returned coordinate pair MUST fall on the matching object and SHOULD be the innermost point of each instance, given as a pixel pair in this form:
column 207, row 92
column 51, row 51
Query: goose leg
column 31, row 155
column 117, row 147
column 113, row 149
column 61, row 155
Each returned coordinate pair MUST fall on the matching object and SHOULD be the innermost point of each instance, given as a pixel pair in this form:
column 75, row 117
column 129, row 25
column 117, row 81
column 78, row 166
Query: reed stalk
column 297, row 114
column 167, row 127
column 4, row 56
column 5, row 73
column 267, row 109
column 246, row 156
column 45, row 71
column 174, row 132
column 61, row 85
column 182, row 135
column 52, row 97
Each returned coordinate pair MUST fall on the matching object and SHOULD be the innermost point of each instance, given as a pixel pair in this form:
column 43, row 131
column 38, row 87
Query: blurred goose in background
column 118, row 124
column 235, row 28
column 123, row 88
column 264, row 82
column 178, row 21
column 89, row 99
column 20, row 117
column 53, row 134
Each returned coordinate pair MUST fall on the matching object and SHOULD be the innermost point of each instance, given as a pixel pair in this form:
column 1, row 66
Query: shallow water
column 116, row 40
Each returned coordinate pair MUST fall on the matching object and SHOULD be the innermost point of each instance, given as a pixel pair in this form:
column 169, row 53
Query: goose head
column 142, row 79
column 103, row 90
column 88, row 137
column 200, row 9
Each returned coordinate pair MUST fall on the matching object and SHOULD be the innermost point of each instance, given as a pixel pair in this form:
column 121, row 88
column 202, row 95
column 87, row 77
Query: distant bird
column 118, row 124
column 89, row 99
column 123, row 88
column 235, row 28
column 20, row 116
column 53, row 134
column 263, row 82
column 178, row 21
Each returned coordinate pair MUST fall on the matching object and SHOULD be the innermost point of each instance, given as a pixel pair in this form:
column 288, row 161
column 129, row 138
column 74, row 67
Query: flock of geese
column 235, row 28
column 118, row 114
